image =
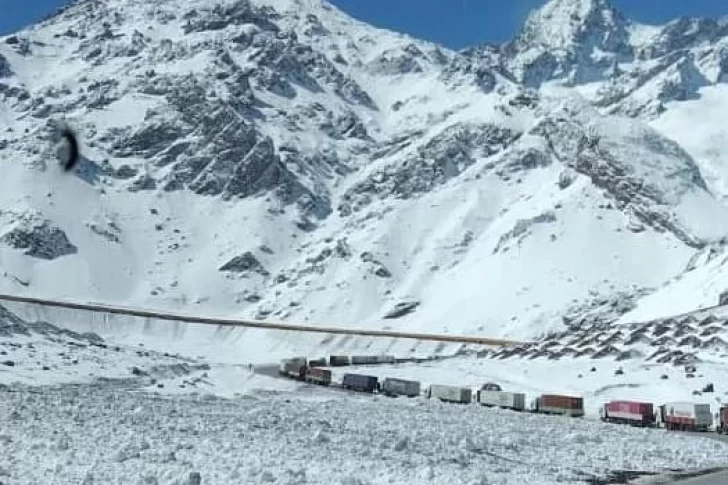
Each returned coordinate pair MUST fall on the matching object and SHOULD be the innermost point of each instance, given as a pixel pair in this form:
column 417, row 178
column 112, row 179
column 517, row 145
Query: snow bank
column 96, row 435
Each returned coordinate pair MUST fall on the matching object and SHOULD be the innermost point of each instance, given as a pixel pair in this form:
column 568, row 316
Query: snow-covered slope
column 276, row 158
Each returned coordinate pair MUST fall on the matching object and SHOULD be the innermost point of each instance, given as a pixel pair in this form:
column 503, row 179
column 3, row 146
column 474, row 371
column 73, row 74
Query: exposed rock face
column 10, row 324
column 559, row 40
column 521, row 229
column 401, row 309
column 244, row 263
column 38, row 237
column 437, row 161
column 610, row 168
column 5, row 70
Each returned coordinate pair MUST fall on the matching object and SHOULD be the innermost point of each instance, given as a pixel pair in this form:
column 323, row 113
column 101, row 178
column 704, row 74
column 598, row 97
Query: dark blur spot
column 73, row 154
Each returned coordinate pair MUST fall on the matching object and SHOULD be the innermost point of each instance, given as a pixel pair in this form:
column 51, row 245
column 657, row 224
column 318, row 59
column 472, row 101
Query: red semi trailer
column 722, row 425
column 628, row 412
column 558, row 404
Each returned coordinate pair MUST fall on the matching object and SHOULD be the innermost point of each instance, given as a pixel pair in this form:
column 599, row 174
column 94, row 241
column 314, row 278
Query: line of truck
column 301, row 369
column 681, row 416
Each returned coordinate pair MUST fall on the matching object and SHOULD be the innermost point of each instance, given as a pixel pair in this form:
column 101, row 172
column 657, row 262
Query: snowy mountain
column 278, row 159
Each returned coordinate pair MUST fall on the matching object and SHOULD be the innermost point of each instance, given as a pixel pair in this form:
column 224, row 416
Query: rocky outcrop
column 591, row 154
column 212, row 150
column 401, row 309
column 11, row 325
column 219, row 17
column 522, row 229
column 562, row 39
column 682, row 34
column 407, row 59
column 245, row 263
column 5, row 70
column 442, row 158
column 37, row 237
column 477, row 66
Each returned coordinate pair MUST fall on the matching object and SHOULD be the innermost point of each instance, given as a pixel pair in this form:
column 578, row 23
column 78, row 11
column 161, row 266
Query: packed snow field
column 312, row 436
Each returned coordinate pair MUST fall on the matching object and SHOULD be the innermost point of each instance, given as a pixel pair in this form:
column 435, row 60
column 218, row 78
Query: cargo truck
column 628, row 412
column 359, row 382
column 686, row 416
column 400, row 387
column 501, row 399
column 339, row 360
column 722, row 425
column 317, row 375
column 318, row 362
column 462, row 395
column 295, row 368
column 364, row 359
column 559, row 404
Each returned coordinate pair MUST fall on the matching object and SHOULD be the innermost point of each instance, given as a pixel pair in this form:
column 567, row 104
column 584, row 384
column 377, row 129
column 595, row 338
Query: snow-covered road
column 712, row 479
column 102, row 434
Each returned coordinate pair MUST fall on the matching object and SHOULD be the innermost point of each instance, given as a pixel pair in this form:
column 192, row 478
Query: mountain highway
column 718, row 478
column 237, row 322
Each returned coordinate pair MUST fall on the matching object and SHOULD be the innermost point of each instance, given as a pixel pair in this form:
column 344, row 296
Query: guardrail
column 235, row 322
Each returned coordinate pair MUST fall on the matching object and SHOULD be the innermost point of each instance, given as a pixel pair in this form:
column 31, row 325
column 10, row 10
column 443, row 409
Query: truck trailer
column 318, row 362
column 559, row 404
column 359, row 382
column 400, row 387
column 295, row 368
column 339, row 360
column 462, row 395
column 686, row 416
column 501, row 399
column 628, row 412
column 722, row 425
column 317, row 375
column 364, row 359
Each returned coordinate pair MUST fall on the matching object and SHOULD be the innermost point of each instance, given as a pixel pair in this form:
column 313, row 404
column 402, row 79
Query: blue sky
column 454, row 23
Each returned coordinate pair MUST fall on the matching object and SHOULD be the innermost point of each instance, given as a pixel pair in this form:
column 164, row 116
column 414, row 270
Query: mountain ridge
column 276, row 158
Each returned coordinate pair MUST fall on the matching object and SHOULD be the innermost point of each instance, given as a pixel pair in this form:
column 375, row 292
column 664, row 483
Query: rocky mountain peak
column 575, row 39
column 566, row 24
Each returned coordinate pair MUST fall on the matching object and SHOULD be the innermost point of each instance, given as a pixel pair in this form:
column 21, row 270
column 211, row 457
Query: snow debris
column 219, row 439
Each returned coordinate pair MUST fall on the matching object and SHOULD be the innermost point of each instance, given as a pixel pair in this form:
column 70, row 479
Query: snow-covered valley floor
column 127, row 407
column 110, row 434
